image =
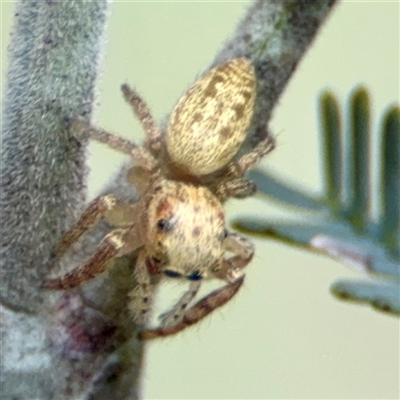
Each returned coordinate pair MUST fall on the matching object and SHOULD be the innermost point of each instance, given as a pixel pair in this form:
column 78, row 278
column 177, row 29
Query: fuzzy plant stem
column 53, row 68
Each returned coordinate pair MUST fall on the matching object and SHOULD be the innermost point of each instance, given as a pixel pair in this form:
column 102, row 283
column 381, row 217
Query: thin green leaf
column 358, row 162
column 360, row 253
column 390, row 181
column 272, row 187
column 297, row 233
column 342, row 228
column 331, row 150
column 382, row 296
column 332, row 238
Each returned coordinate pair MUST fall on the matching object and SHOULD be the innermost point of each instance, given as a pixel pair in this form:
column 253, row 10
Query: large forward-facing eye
column 172, row 274
column 223, row 235
column 195, row 276
column 164, row 225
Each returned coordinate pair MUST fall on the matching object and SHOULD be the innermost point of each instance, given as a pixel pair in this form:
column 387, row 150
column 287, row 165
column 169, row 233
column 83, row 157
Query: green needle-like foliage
column 358, row 161
column 332, row 150
column 339, row 223
column 390, row 177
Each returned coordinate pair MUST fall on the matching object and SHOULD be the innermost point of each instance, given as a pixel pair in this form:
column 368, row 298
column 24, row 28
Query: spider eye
column 195, row 276
column 224, row 234
column 172, row 274
column 163, row 225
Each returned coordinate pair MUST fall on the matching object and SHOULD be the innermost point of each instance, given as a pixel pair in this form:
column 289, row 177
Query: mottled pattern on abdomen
column 211, row 120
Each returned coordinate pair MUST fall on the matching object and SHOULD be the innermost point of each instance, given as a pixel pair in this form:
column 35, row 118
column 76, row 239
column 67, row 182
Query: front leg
column 196, row 313
column 111, row 246
column 231, row 271
column 177, row 312
column 142, row 295
column 108, row 206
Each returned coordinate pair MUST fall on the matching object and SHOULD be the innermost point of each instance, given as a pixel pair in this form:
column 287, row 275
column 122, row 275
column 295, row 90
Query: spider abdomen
column 211, row 120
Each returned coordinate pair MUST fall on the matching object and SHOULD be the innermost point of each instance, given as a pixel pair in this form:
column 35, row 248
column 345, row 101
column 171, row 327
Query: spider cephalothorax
column 183, row 176
column 170, row 204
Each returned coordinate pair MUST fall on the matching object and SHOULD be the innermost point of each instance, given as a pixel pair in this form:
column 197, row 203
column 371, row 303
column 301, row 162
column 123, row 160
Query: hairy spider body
column 183, row 177
column 211, row 120
column 168, row 205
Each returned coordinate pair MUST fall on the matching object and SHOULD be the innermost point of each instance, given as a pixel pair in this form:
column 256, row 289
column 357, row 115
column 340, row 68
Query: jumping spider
column 184, row 176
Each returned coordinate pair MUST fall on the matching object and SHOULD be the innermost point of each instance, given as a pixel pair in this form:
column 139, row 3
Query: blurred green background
column 284, row 336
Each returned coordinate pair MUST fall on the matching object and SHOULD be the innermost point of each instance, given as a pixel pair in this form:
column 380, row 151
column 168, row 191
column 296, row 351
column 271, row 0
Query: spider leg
column 197, row 312
column 140, row 178
column 231, row 272
column 249, row 160
column 143, row 113
column 114, row 244
column 233, row 184
column 107, row 206
column 236, row 187
column 140, row 155
column 177, row 312
column 142, row 295
column 232, row 267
